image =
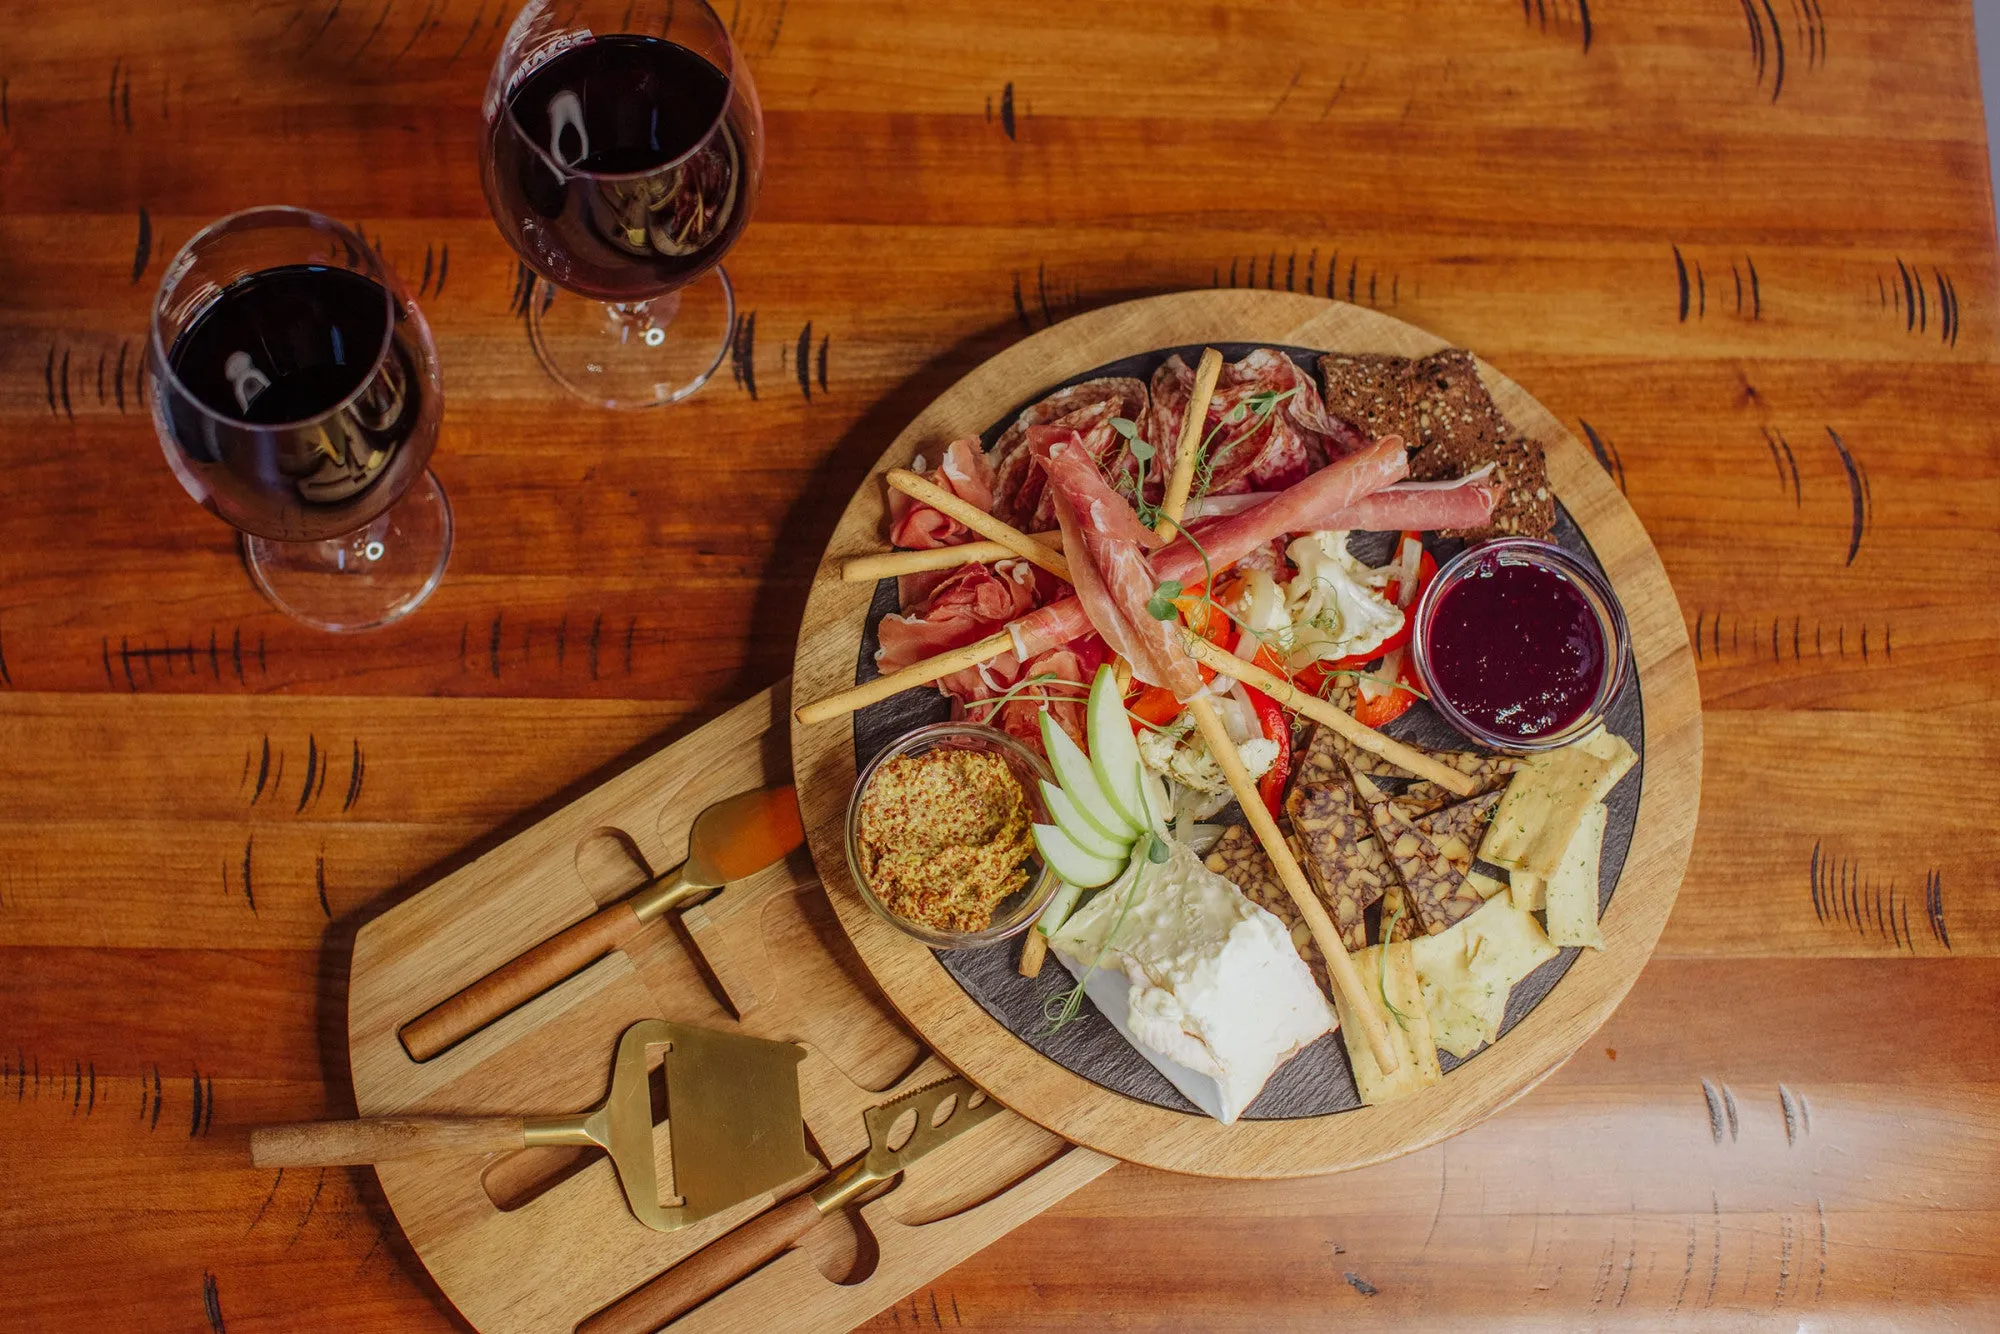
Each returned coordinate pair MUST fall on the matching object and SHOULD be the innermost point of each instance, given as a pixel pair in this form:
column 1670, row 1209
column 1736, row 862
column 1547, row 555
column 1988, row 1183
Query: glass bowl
column 1014, row 913
column 1597, row 596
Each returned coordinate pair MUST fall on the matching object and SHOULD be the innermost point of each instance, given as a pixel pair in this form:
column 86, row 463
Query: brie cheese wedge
column 1215, row 994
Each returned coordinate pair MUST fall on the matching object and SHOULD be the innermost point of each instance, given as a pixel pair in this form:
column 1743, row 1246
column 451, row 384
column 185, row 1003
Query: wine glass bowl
column 297, row 398
column 623, row 155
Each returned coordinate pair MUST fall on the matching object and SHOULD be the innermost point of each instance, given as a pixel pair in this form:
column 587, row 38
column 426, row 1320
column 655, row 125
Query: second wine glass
column 623, row 153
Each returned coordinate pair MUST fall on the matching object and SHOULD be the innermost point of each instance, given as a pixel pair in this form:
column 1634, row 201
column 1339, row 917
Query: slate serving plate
column 1318, row 1081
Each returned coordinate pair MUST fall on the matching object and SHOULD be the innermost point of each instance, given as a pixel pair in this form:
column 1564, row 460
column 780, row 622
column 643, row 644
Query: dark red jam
column 1516, row 648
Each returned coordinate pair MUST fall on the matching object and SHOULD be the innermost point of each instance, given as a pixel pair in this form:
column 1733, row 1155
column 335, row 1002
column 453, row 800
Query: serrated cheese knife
column 913, row 1124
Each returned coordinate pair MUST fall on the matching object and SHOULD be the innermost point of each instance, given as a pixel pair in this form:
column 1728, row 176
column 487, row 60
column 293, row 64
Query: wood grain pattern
column 943, row 179
column 557, row 1245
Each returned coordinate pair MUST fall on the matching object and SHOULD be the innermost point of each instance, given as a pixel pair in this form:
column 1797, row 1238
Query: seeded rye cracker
column 1238, row 858
column 1438, row 404
column 1340, row 854
column 1431, row 855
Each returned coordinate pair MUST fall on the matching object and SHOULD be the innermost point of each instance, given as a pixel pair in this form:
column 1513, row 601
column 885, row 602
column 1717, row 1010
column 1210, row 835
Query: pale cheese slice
column 1466, row 973
column 1545, row 801
column 1528, row 890
column 1410, row 1030
column 1572, row 890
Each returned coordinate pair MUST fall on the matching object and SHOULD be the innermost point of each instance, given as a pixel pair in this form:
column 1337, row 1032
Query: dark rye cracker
column 1440, row 406
column 1340, row 854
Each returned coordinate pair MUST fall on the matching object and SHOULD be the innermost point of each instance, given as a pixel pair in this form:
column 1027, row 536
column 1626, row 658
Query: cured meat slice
column 1441, row 407
column 973, row 602
column 1113, row 585
column 1297, row 508
column 1104, row 544
column 963, row 472
column 1457, row 502
column 1080, row 407
column 1300, row 508
column 1257, row 449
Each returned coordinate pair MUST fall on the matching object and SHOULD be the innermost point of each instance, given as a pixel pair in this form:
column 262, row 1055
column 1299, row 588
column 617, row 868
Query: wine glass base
column 366, row 578
column 635, row 355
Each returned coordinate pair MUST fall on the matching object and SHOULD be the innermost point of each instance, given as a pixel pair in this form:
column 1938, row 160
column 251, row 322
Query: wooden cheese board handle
column 520, row 980
column 346, row 1143
column 708, row 1271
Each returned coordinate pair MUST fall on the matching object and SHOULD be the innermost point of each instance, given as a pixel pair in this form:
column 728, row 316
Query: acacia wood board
column 1078, row 1108
column 537, row 1240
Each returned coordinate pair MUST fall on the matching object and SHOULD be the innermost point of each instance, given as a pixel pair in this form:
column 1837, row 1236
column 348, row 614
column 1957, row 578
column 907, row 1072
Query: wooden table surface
column 1745, row 249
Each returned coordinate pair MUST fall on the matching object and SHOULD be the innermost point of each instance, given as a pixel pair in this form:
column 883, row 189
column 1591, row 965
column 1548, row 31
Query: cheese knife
column 736, row 837
column 900, row 1132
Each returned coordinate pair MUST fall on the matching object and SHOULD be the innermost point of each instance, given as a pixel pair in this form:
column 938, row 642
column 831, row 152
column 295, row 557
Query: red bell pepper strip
column 1271, row 718
column 1390, row 705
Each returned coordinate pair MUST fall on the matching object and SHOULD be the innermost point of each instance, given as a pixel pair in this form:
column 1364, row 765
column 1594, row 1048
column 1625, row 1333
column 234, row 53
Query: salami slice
column 1079, row 407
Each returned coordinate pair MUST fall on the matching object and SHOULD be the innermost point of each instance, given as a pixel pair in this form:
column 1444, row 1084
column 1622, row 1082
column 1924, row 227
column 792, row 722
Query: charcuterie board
column 540, row 1239
column 984, row 1021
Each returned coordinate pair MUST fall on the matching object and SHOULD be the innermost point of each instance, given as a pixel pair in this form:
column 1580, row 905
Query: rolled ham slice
column 1307, row 506
column 963, row 471
column 1105, row 545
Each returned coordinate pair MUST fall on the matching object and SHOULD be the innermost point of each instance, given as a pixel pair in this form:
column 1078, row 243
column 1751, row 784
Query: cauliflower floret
column 1333, row 608
column 1184, row 758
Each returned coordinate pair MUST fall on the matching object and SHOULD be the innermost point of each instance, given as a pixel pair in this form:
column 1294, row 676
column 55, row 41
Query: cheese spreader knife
column 915, row 1124
column 733, row 1125
column 736, row 837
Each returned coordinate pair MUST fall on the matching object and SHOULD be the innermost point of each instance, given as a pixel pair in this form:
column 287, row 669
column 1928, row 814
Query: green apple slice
column 1071, row 863
column 1114, row 754
column 1079, row 782
column 1082, row 830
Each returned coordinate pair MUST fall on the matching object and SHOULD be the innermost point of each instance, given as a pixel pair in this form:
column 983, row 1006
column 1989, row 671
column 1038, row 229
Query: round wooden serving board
column 961, row 1031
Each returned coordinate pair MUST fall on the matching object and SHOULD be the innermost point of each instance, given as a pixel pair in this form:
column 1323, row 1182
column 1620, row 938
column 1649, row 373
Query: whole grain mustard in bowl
column 940, row 835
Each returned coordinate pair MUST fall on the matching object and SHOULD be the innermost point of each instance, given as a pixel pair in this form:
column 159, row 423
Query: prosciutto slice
column 1304, row 507
column 963, row 471
column 971, row 603
column 1105, row 545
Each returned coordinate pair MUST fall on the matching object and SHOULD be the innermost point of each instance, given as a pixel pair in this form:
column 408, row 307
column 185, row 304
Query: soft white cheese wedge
column 1215, row 994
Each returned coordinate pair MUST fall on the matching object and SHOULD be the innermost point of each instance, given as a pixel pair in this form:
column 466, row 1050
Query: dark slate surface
column 1317, row 1081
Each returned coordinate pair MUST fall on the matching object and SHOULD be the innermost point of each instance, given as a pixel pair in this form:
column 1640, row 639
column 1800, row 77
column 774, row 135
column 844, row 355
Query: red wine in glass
column 619, row 169
column 296, row 395
column 300, row 420
column 623, row 153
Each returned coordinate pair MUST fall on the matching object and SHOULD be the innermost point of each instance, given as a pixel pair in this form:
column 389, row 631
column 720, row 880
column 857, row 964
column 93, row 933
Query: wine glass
column 296, row 396
column 624, row 150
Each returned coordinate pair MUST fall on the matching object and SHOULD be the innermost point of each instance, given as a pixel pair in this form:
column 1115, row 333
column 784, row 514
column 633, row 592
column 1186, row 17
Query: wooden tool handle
column 516, row 983
column 707, row 1272
column 916, row 674
column 383, row 1139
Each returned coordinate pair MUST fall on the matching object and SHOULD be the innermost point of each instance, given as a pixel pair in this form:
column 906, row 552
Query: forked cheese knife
column 736, row 837
column 913, row 1124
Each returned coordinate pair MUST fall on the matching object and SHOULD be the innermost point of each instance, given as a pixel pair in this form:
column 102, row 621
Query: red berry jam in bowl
column 1520, row 645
